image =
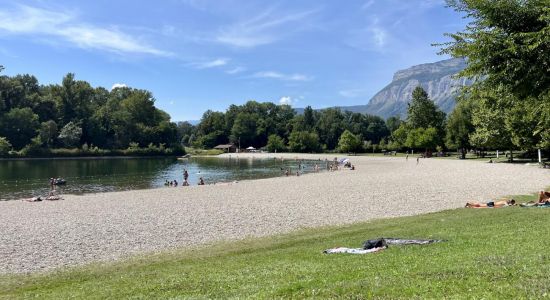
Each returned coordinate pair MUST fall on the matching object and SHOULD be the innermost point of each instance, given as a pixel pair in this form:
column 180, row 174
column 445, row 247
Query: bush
column 349, row 142
column 275, row 143
column 304, row 141
column 5, row 146
column 34, row 148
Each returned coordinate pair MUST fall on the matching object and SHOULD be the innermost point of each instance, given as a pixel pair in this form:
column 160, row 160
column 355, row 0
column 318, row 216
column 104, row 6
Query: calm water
column 27, row 178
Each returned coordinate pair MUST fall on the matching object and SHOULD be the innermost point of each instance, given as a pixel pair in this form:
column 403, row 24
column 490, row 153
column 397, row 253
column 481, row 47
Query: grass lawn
column 488, row 253
column 203, row 152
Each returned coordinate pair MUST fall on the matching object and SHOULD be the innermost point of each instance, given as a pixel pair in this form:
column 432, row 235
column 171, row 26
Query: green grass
column 203, row 152
column 488, row 253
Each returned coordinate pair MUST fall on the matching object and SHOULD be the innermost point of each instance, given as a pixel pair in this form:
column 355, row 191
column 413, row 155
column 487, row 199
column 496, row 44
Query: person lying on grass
column 544, row 197
column 495, row 204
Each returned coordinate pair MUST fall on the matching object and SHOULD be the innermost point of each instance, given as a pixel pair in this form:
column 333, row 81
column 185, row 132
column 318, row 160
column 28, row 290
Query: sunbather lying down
column 544, row 196
column 543, row 201
column 495, row 204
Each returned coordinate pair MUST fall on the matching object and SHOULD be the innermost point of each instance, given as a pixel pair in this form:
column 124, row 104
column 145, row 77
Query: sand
column 108, row 226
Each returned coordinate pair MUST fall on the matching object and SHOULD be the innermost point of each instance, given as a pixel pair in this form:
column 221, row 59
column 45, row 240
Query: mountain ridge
column 437, row 78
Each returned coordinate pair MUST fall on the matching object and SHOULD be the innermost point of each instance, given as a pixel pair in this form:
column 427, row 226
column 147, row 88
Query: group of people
column 185, row 182
column 52, row 194
column 543, row 200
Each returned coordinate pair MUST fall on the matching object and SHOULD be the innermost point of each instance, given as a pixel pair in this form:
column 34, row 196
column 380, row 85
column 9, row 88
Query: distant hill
column 436, row 78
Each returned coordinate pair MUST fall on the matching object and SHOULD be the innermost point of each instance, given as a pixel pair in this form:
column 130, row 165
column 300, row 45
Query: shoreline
column 100, row 227
column 85, row 157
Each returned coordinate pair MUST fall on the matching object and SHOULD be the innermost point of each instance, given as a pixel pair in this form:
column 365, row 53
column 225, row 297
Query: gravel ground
column 106, row 226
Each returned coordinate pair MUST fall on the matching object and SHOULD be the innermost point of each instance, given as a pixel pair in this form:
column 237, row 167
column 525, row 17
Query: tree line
column 51, row 119
column 280, row 128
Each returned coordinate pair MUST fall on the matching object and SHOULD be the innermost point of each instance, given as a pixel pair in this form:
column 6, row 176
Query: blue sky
column 196, row 55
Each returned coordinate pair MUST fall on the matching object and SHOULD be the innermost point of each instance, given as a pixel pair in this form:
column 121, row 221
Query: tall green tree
column 309, row 118
column 422, row 112
column 424, row 127
column 70, row 135
column 392, row 123
column 245, row 129
column 48, row 132
column 275, row 143
column 304, row 141
column 350, row 142
column 460, row 127
column 330, row 126
column 19, row 126
column 507, row 43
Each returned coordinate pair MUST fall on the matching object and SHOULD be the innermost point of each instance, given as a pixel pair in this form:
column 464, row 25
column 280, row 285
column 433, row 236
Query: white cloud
column 118, row 85
column 281, row 76
column 235, row 70
column 373, row 37
column 29, row 20
column 286, row 100
column 266, row 28
column 211, row 64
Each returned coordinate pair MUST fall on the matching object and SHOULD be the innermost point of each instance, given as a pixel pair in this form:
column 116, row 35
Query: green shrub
column 5, row 146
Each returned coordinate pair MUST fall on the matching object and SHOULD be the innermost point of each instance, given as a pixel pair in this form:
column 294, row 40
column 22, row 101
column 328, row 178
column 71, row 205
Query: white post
column 497, row 154
column 540, row 157
column 412, row 152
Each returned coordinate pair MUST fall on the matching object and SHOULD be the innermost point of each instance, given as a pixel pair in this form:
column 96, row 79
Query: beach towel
column 379, row 244
column 529, row 205
column 394, row 241
column 353, row 250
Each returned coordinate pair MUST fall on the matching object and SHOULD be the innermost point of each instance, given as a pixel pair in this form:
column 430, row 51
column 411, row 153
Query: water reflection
column 27, row 178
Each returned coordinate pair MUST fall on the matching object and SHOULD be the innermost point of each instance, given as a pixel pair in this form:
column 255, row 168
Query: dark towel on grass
column 393, row 241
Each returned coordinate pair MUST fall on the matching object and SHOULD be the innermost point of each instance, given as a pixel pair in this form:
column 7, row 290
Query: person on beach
column 495, row 204
column 185, row 175
column 33, row 199
column 175, row 182
column 52, row 184
column 185, row 183
column 53, row 197
column 287, row 172
column 201, row 181
column 417, row 160
column 352, row 167
column 544, row 197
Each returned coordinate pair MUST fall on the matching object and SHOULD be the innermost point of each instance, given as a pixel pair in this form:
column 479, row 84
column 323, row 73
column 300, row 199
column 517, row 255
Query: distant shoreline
column 87, row 157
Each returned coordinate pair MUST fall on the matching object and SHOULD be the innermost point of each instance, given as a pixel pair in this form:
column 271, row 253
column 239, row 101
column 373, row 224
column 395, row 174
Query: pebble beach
column 42, row 236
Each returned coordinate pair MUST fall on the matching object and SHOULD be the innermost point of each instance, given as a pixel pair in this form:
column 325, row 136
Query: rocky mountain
column 436, row 78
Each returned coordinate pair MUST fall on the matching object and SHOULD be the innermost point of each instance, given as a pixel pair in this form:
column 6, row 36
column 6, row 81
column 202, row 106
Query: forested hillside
column 40, row 119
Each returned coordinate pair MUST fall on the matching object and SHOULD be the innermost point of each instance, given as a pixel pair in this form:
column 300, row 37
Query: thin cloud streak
column 27, row 20
column 281, row 76
column 261, row 30
column 211, row 64
column 236, row 70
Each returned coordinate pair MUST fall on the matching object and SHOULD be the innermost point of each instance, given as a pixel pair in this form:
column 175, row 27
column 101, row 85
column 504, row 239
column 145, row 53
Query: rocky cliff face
column 436, row 78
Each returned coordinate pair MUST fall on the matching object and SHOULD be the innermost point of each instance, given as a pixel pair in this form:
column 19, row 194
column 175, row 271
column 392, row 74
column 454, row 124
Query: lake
column 28, row 178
